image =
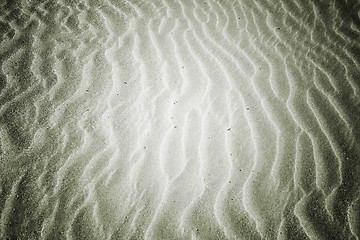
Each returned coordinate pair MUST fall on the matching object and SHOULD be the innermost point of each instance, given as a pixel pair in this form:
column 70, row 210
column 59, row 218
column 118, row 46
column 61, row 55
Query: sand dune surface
column 174, row 119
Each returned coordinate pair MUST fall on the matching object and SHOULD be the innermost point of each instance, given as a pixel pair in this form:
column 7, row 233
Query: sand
column 179, row 119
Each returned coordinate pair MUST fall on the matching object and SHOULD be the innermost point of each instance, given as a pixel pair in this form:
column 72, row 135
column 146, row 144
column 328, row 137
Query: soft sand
column 179, row 120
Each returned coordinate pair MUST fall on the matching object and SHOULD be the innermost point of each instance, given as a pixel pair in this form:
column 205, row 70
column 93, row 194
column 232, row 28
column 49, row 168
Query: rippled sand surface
column 184, row 119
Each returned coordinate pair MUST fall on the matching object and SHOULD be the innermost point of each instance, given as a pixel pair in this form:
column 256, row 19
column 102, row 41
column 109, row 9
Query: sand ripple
column 179, row 120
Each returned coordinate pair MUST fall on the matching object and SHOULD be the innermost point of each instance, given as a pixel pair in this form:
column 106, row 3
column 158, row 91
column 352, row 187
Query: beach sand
column 185, row 119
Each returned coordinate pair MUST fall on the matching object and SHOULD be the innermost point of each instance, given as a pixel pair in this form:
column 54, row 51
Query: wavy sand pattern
column 185, row 119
